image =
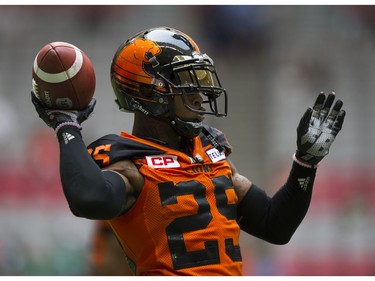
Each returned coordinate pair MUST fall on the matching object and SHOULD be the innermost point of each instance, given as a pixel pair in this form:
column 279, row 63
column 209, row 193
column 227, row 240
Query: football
column 63, row 77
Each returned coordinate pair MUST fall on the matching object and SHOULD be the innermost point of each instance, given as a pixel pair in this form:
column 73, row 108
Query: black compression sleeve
column 276, row 219
column 90, row 192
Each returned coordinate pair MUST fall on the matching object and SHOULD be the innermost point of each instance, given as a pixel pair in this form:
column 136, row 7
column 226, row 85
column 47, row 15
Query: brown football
column 63, row 76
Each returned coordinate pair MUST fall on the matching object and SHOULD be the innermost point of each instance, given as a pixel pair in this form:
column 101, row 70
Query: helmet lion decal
column 131, row 61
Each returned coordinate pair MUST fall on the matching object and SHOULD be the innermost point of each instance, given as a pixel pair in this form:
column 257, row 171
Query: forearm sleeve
column 90, row 192
column 276, row 219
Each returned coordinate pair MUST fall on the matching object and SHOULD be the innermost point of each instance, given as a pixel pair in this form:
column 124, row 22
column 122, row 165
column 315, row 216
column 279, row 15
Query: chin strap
column 186, row 129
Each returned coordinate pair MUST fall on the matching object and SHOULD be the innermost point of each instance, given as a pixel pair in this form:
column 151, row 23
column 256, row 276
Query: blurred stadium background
column 273, row 60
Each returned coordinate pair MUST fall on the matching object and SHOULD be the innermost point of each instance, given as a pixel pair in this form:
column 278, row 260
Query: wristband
column 303, row 164
column 74, row 124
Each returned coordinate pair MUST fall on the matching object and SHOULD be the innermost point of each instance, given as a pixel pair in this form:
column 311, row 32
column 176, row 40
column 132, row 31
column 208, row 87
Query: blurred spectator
column 365, row 13
column 35, row 176
column 8, row 117
column 234, row 28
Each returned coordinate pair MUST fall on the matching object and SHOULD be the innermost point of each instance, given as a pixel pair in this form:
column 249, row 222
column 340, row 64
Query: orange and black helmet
column 156, row 64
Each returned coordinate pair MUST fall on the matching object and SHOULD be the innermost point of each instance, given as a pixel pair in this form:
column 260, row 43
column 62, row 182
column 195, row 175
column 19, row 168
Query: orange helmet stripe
column 132, row 58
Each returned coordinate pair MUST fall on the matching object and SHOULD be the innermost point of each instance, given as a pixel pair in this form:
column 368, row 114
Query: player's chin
column 200, row 117
column 193, row 118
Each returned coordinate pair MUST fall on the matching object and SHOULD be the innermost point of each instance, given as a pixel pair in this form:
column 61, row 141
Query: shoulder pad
column 113, row 148
column 219, row 136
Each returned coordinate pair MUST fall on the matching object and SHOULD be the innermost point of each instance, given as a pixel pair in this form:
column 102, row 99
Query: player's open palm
column 318, row 128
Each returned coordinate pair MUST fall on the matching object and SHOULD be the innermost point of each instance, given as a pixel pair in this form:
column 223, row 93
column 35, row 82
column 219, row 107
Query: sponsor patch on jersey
column 215, row 155
column 162, row 161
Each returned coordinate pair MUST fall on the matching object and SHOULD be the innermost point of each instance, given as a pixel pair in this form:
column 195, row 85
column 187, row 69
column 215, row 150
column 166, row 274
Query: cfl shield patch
column 162, row 161
column 215, row 155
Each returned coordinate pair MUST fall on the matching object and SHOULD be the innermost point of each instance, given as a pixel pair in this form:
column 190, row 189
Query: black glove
column 318, row 128
column 56, row 118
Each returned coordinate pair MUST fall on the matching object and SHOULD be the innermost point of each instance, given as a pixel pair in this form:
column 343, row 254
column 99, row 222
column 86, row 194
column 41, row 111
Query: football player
column 169, row 191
